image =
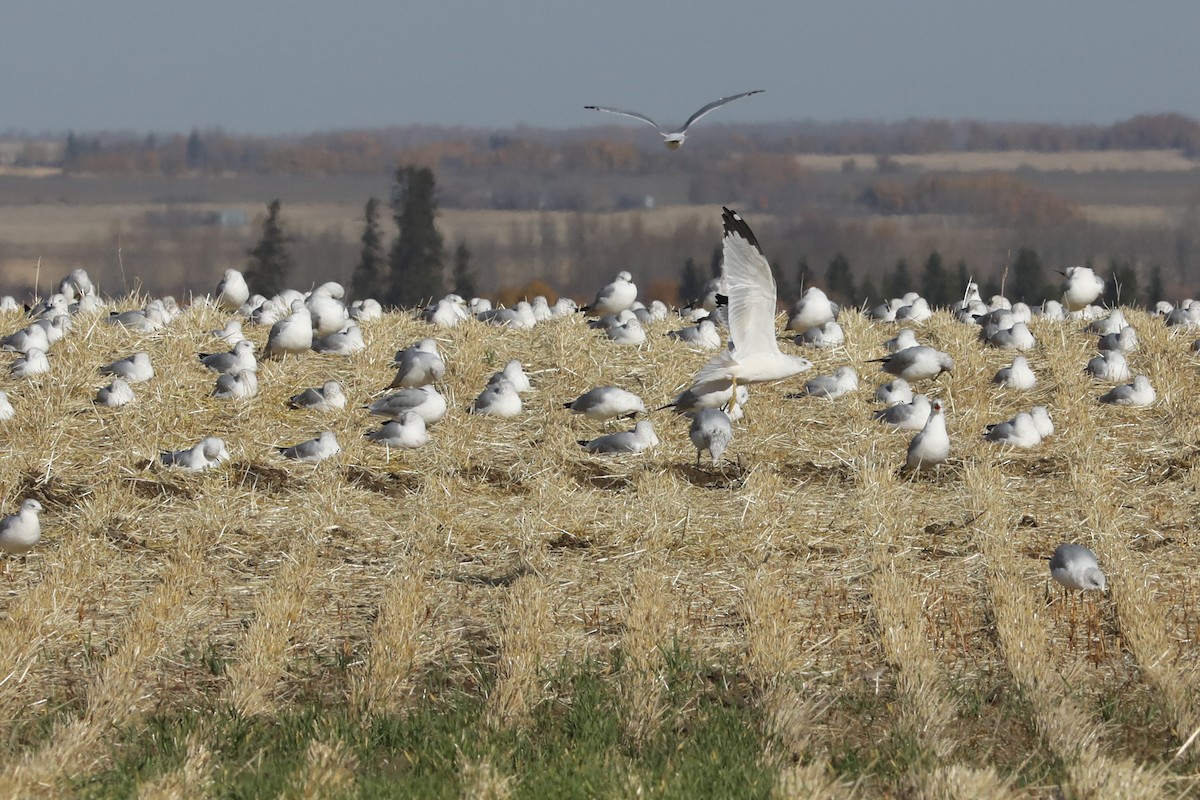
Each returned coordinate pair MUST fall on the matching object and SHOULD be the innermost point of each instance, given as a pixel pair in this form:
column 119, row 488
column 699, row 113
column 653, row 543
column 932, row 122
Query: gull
column 407, row 433
column 328, row 397
column 54, row 327
column 366, row 310
column 752, row 355
column 145, row 320
column 1113, row 323
column 1075, row 567
column 910, row 416
column 346, row 342
column 500, row 399
column 21, row 531
column 292, row 334
column 931, row 446
column 916, row 311
column 843, row 381
column 239, row 358
column 630, row 332
column 1051, row 310
column 327, row 311
column 711, row 396
column 236, row 387
column 418, row 364
column 232, row 290
column 812, row 310
column 1126, row 341
column 447, row 312
column 1042, row 421
column 642, row 437
column 231, row 333
column 117, row 393
column 673, row 139
column 1018, row 337
column 6, row 409
column 514, row 373
column 313, row 451
column 895, row 391
column 1109, row 366
column 424, row 400
column 134, row 369
column 916, row 363
column 1138, row 393
column 208, row 453
column 1081, row 287
column 1016, row 376
column 614, row 298
column 824, row 336
column 1020, row 431
column 711, row 431
column 903, row 340
column 520, row 316
column 25, row 339
column 606, row 402
column 703, row 335
column 76, row 285
column 32, row 363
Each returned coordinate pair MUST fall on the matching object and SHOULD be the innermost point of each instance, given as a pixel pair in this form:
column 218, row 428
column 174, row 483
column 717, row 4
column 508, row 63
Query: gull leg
column 731, row 406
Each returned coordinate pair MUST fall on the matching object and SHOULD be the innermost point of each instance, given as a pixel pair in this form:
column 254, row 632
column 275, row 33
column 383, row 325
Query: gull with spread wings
column 753, row 354
column 673, row 139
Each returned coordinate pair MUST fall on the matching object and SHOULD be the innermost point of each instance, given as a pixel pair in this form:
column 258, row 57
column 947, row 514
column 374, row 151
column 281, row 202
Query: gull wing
column 752, row 291
column 633, row 114
column 713, row 105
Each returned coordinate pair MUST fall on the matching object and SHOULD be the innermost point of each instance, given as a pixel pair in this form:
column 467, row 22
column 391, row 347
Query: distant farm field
column 502, row 614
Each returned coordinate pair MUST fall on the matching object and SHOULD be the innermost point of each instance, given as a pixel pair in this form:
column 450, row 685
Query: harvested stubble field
column 500, row 614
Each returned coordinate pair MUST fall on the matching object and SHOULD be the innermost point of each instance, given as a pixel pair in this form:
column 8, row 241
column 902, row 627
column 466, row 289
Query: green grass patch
column 573, row 747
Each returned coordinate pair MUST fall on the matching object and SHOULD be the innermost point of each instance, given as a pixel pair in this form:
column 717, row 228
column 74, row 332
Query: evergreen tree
column 1027, row 283
column 1121, row 285
column 898, row 283
column 714, row 263
column 961, row 280
column 197, row 154
column 867, row 293
column 464, row 276
column 368, row 277
column 839, row 282
column 804, row 275
column 934, row 286
column 416, row 258
column 1155, row 291
column 270, row 261
column 783, row 289
column 691, row 282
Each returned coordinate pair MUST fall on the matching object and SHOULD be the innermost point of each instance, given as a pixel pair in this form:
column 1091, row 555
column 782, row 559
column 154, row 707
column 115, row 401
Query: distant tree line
column 412, row 272
column 619, row 150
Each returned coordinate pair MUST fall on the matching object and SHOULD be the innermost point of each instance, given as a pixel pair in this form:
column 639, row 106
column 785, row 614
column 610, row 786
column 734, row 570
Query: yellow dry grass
column 807, row 559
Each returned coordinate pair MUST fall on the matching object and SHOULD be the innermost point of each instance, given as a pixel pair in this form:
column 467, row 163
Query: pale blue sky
column 269, row 66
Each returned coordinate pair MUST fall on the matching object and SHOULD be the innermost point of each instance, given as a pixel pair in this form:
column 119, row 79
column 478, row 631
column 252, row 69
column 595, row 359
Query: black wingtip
column 722, row 300
column 583, row 442
column 734, row 224
column 568, row 405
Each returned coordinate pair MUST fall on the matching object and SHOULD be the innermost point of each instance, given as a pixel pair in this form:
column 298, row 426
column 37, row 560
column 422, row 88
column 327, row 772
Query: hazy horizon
column 271, row 69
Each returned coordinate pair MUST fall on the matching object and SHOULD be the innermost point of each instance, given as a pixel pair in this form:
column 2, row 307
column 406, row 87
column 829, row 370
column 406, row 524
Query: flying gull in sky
column 673, row 139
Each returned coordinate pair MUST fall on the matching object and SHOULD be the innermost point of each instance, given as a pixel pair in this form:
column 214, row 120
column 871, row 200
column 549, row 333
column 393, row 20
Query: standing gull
column 931, row 446
column 673, row 139
column 710, row 431
column 21, row 531
column 753, row 353
column 1075, row 567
